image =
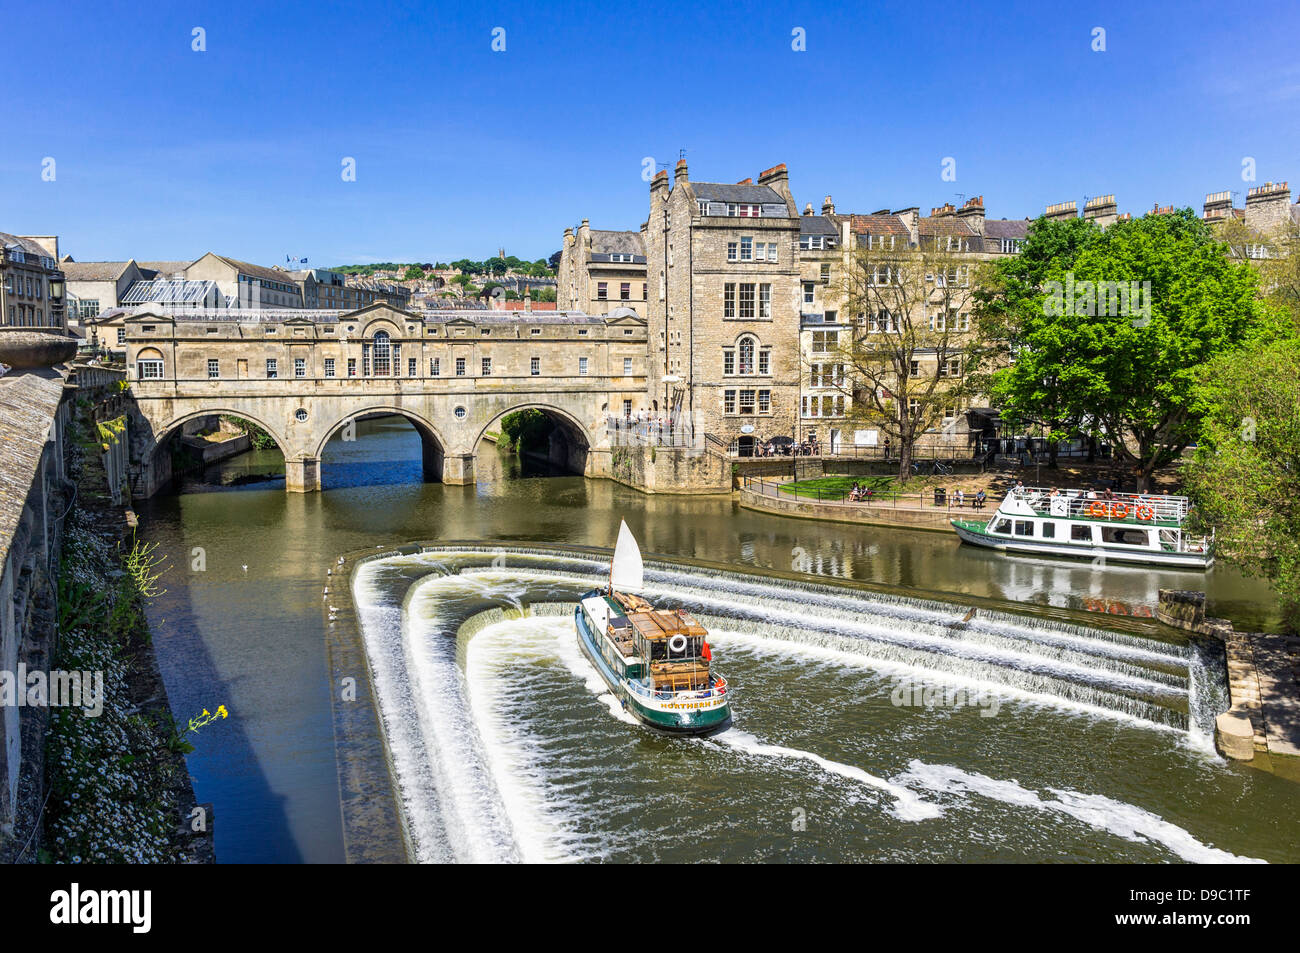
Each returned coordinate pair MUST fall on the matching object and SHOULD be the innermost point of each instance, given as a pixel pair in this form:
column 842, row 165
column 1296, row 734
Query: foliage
column 1123, row 374
column 1245, row 476
column 911, row 354
column 525, row 429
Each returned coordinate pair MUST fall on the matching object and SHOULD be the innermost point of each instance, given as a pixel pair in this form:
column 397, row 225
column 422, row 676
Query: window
column 747, row 401
column 602, row 291
column 534, row 330
column 826, row 274
column 809, row 292
column 823, row 342
column 745, row 308
column 729, row 300
column 627, row 408
column 121, row 335
column 410, row 367
column 1024, row 527
column 1004, row 526
column 728, row 401
column 150, row 370
column 382, row 354
column 765, row 361
column 627, row 367
column 729, row 360
column 764, row 401
column 214, row 368
column 625, row 291
column 732, row 253
column 746, row 355
column 460, row 367
column 352, row 367
column 487, row 367
column 765, row 301
column 747, row 249
column 299, row 367
column 1081, row 534
column 950, row 368
column 435, row 367
column 272, row 368
column 535, row 366
column 1049, row 530
column 582, row 367
column 329, row 367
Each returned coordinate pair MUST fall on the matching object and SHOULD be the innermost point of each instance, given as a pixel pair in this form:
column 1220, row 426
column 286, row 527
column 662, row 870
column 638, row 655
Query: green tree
column 414, row 273
column 1124, row 321
column 1245, row 476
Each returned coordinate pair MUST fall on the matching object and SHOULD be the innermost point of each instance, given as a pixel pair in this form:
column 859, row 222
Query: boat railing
column 1118, row 507
column 717, row 688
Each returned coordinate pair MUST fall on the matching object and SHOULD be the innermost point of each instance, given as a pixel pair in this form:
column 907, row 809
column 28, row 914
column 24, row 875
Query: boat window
column 1124, row 536
column 1081, row 534
column 1002, row 526
column 1024, row 527
column 1049, row 531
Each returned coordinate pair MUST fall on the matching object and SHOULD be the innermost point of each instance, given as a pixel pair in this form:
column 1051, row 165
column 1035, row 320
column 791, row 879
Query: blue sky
column 162, row 152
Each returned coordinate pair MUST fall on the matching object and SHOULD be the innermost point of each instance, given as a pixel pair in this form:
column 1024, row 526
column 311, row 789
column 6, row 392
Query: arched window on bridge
column 382, row 355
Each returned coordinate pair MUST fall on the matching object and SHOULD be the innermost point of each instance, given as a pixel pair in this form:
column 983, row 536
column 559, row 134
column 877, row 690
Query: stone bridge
column 453, row 375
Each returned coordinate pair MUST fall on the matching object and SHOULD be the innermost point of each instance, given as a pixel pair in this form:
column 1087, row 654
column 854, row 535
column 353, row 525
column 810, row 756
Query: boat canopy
column 627, row 573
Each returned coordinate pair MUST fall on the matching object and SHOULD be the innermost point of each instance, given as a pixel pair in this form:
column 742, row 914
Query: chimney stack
column 1062, row 210
column 679, row 175
column 1217, row 205
column 828, row 206
column 1102, row 210
column 1268, row 206
column 777, row 178
column 972, row 213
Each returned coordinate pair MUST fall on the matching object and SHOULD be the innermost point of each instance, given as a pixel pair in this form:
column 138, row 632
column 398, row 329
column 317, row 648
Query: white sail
column 627, row 574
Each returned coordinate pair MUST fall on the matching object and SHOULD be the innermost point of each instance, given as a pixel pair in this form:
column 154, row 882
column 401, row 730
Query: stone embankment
column 1263, row 678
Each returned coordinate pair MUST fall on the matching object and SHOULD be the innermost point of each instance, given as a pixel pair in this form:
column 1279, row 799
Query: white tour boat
column 1123, row 527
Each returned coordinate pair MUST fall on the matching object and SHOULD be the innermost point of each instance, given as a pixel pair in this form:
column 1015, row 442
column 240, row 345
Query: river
column 1096, row 748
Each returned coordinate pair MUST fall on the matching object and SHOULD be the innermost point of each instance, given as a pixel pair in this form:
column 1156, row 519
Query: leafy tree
column 414, row 273
column 911, row 356
column 526, row 429
column 1124, row 319
column 1245, row 476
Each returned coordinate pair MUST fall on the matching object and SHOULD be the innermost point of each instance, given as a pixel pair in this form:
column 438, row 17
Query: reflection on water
column 246, row 629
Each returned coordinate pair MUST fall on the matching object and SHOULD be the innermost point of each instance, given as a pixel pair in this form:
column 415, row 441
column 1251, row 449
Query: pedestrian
column 886, row 448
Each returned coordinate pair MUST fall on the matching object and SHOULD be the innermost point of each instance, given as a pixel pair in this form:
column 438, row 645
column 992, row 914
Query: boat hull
column 1194, row 561
column 676, row 715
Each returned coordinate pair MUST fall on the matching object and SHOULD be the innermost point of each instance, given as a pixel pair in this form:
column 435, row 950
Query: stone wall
column 34, row 498
column 670, row 470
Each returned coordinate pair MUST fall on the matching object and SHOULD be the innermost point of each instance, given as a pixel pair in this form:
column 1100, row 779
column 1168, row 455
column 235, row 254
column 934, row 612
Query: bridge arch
column 423, row 426
column 570, row 444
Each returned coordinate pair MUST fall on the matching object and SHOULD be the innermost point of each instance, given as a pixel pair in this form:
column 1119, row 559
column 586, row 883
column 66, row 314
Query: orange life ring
column 1145, row 513
column 1119, row 511
column 1097, row 509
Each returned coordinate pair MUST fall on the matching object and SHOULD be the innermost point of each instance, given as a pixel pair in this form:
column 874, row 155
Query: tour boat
column 1122, row 528
column 657, row 662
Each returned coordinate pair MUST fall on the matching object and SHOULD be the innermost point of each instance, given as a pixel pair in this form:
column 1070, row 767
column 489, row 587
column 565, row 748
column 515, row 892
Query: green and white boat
column 656, row 662
column 1121, row 527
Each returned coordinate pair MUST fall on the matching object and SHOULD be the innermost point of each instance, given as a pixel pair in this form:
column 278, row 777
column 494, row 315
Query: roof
column 816, row 225
column 1007, row 227
column 617, row 243
column 750, row 194
column 164, row 268
column 93, row 270
column 257, row 271
column 879, row 224
column 945, row 225
column 170, row 291
column 29, row 246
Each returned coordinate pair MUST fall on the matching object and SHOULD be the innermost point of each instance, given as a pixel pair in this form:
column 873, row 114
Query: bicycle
column 936, row 469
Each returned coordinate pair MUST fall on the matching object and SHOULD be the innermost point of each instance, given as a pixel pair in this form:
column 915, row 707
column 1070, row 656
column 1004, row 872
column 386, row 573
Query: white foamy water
column 907, row 805
column 1128, row 821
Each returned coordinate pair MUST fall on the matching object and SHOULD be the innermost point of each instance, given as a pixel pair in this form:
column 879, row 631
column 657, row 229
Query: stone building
column 31, row 284
column 601, row 271
column 723, row 315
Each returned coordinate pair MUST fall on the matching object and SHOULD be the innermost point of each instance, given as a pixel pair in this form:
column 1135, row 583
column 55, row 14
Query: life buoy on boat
column 1097, row 509
column 677, row 643
column 1145, row 513
column 1118, row 511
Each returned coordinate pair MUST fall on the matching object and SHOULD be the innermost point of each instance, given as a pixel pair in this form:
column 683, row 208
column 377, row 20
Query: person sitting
column 979, row 499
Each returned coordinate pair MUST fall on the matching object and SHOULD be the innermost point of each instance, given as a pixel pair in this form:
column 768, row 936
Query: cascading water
column 508, row 746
